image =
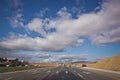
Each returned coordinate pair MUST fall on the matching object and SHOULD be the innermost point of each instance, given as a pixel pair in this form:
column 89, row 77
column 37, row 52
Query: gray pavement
column 54, row 73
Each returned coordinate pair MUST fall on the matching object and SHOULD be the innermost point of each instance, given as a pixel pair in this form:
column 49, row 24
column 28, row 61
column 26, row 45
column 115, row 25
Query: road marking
column 74, row 71
column 57, row 72
column 80, row 75
column 43, row 70
column 48, row 71
column 86, row 72
column 9, row 78
column 66, row 72
column 36, row 72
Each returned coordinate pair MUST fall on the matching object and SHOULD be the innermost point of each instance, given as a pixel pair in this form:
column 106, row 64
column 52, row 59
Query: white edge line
column 80, row 75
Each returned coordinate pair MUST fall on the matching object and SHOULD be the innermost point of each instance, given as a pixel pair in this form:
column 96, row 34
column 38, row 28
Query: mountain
column 112, row 63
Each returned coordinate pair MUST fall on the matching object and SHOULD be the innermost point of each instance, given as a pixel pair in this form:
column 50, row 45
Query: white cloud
column 100, row 27
column 36, row 25
column 63, row 13
column 65, row 58
column 16, row 19
column 42, row 12
column 69, row 58
column 93, row 24
column 25, row 55
column 77, row 10
column 36, row 56
column 111, row 36
column 43, row 55
column 23, row 42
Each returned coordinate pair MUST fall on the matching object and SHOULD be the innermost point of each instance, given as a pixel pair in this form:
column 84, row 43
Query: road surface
column 54, row 73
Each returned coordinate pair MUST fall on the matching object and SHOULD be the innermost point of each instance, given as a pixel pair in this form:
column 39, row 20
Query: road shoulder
column 107, row 73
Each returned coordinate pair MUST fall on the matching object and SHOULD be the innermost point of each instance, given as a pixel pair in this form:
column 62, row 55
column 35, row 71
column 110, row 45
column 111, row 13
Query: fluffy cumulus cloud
column 20, row 42
column 100, row 27
column 25, row 55
column 37, row 56
column 36, row 25
column 42, row 12
column 69, row 58
column 16, row 19
column 65, row 58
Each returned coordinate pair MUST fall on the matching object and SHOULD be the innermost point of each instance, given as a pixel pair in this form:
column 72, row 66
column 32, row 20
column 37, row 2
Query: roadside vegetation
column 10, row 65
column 17, row 68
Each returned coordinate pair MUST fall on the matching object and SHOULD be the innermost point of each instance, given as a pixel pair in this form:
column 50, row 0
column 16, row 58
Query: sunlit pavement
column 54, row 73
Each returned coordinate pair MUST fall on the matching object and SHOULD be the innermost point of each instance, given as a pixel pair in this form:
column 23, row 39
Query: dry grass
column 17, row 68
column 43, row 64
column 48, row 64
column 112, row 63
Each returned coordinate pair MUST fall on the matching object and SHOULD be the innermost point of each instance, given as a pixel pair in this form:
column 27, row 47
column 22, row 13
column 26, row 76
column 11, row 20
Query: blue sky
column 59, row 30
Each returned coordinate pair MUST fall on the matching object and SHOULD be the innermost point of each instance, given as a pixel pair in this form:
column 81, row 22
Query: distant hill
column 83, row 62
column 80, row 63
column 42, row 64
column 112, row 63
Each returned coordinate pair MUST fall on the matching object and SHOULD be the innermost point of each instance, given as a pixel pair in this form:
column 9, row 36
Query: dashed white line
column 86, row 72
column 74, row 71
column 48, row 71
column 35, row 72
column 57, row 72
column 9, row 78
column 66, row 72
column 80, row 75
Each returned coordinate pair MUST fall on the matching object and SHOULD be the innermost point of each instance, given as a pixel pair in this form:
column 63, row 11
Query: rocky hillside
column 112, row 63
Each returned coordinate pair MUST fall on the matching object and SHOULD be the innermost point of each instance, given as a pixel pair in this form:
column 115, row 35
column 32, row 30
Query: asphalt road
column 54, row 73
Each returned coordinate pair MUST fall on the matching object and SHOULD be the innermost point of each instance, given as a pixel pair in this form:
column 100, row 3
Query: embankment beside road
column 112, row 63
